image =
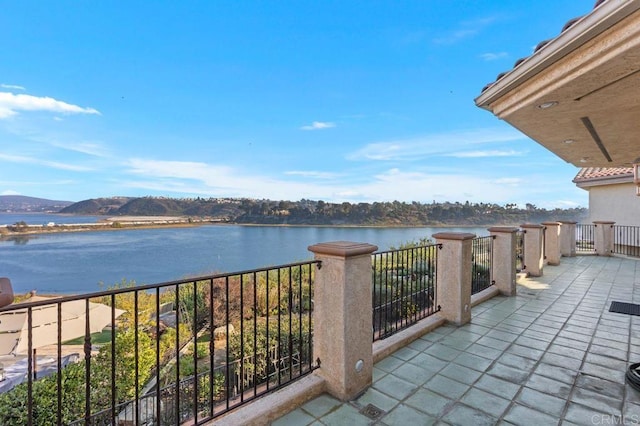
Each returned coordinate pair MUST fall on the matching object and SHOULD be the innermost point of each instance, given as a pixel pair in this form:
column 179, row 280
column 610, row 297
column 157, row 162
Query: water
column 78, row 262
column 44, row 218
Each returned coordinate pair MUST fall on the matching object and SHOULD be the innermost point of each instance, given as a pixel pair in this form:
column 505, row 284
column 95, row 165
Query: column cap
column 531, row 226
column 568, row 222
column 603, row 222
column 460, row 236
column 505, row 229
column 342, row 248
column 551, row 223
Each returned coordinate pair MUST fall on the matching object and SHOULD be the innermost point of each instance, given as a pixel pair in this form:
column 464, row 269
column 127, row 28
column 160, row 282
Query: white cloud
column 312, row 174
column 46, row 163
column 11, row 104
column 90, row 148
column 9, row 192
column 436, row 144
column 12, row 86
column 493, row 56
column 318, row 125
column 484, row 154
column 465, row 30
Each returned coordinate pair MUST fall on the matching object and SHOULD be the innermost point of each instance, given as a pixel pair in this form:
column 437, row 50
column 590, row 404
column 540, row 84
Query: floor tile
column 557, row 373
column 507, row 373
column 460, row 373
column 548, row 386
column 413, row 373
column 484, row 401
column 446, row 387
column 294, row 418
column 321, row 405
column 541, row 402
column 472, row 361
column 597, row 401
column 395, row 387
column 377, row 398
column 405, row 415
column 521, row 415
column 497, row 386
column 429, row 402
column 462, row 415
column 345, row 415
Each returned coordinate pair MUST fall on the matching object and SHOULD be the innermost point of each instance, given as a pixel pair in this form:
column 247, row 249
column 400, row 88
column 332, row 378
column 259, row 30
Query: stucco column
column 552, row 242
column 6, row 292
column 533, row 249
column 603, row 238
column 454, row 276
column 568, row 238
column 504, row 261
column 343, row 317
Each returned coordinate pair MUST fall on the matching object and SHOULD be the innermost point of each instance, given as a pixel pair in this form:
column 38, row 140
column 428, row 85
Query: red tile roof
column 587, row 174
column 540, row 45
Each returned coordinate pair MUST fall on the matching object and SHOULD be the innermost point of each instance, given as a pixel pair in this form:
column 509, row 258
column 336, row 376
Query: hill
column 21, row 204
column 308, row 212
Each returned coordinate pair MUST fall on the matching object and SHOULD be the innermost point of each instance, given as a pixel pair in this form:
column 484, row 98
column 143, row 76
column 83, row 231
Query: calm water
column 79, row 262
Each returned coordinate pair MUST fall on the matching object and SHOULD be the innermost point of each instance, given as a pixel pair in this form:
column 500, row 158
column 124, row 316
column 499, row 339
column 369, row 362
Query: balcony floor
column 554, row 354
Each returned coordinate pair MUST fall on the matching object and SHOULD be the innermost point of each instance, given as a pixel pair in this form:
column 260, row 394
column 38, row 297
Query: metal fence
column 626, row 240
column 519, row 251
column 482, row 263
column 404, row 288
column 585, row 238
column 224, row 340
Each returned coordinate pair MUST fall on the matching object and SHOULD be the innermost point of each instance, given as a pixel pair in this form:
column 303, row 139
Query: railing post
column 552, row 242
column 533, row 249
column 603, row 238
column 568, row 238
column 504, row 264
column 343, row 317
column 454, row 276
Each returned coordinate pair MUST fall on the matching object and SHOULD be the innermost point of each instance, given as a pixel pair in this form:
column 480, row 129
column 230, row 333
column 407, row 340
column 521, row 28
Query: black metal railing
column 172, row 352
column 626, row 240
column 404, row 288
column 585, row 238
column 482, row 263
column 519, row 251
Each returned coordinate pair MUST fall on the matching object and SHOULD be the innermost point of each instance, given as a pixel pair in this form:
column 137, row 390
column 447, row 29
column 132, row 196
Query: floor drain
column 372, row 412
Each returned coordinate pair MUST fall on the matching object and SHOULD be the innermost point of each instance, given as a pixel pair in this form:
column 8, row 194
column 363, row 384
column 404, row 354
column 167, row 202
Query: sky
column 332, row 100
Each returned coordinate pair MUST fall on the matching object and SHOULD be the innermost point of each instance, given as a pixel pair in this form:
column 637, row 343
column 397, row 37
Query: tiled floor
column 552, row 355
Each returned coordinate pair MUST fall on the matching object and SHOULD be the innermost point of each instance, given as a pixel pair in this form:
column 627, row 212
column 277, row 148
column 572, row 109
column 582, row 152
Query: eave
column 592, row 72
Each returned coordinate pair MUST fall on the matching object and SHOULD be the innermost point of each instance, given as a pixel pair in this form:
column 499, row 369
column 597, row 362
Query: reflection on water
column 18, row 240
column 77, row 262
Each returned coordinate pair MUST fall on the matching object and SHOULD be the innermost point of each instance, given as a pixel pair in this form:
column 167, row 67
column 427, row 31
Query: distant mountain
column 97, row 206
column 22, row 204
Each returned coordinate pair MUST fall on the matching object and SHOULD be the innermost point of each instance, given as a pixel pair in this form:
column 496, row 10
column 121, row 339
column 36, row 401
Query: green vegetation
column 308, row 212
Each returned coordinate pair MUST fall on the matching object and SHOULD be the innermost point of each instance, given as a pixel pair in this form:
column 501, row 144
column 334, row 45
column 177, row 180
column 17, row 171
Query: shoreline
column 6, row 232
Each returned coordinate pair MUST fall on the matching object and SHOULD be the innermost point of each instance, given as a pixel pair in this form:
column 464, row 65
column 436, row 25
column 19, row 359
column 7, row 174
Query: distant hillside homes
column 23, row 204
column 309, row 212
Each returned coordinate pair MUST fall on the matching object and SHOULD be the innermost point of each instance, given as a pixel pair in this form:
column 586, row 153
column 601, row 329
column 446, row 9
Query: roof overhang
column 589, row 76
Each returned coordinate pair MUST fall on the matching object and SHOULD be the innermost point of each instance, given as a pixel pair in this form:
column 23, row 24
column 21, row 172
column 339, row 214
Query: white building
column 612, row 194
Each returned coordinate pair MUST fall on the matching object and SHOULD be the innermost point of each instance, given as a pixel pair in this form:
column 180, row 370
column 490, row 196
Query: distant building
column 612, row 194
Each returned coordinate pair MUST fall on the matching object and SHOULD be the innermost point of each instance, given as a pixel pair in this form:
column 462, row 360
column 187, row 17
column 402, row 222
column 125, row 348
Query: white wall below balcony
column 618, row 203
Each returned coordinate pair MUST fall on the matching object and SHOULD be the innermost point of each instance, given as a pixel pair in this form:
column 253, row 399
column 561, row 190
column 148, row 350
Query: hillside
column 22, row 204
column 308, row 212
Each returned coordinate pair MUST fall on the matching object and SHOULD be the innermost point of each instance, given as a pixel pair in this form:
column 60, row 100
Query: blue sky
column 355, row 101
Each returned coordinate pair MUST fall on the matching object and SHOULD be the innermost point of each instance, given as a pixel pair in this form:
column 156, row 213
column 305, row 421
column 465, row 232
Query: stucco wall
column 618, row 203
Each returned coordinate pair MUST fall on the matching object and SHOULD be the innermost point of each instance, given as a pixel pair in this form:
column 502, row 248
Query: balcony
column 551, row 354
column 544, row 351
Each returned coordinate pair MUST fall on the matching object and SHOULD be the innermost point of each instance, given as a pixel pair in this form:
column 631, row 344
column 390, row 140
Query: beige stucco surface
column 617, row 203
